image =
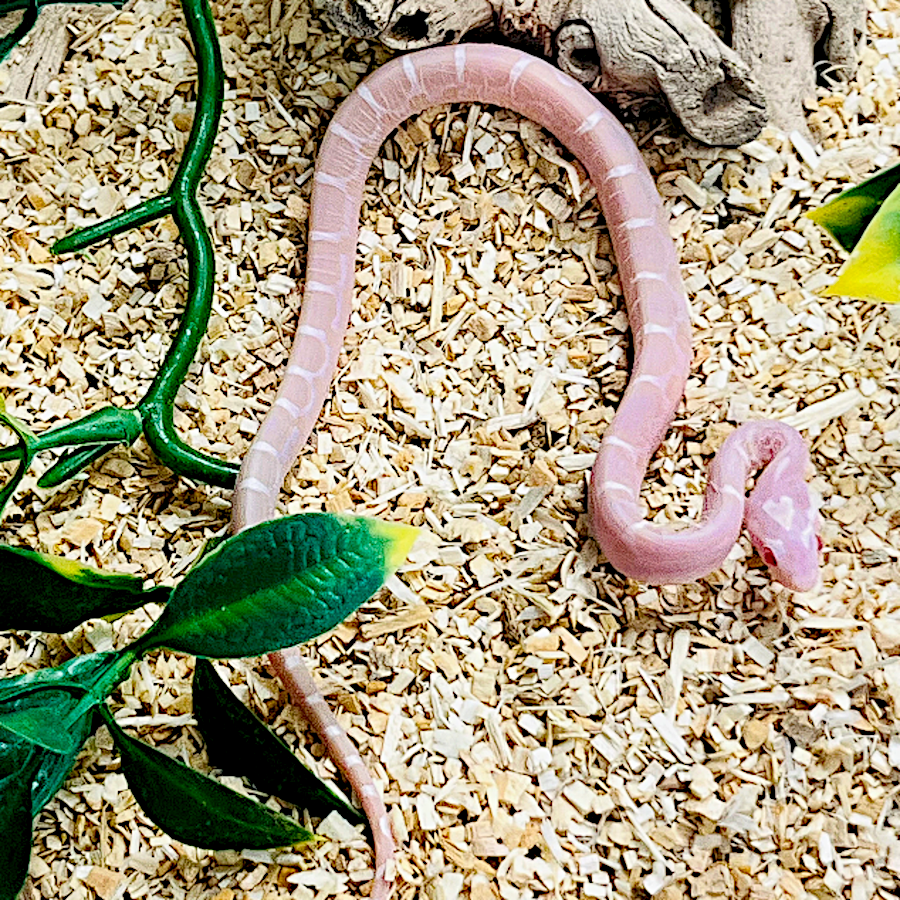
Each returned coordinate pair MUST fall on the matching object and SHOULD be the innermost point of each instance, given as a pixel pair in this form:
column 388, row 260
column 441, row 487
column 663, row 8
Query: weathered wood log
column 33, row 64
column 779, row 38
column 627, row 48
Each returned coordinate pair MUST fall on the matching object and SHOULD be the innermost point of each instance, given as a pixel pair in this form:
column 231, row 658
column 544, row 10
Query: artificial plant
column 269, row 587
column 272, row 586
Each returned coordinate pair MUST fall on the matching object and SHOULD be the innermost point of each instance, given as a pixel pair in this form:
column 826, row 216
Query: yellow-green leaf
column 847, row 216
column 873, row 269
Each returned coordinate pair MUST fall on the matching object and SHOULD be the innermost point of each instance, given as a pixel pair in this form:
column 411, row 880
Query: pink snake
column 780, row 514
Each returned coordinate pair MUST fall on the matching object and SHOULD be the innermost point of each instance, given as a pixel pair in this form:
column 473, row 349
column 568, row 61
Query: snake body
column 780, row 514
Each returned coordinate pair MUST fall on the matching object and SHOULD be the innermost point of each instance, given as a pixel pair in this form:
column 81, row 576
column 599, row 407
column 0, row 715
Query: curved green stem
column 103, row 426
column 154, row 413
column 159, row 430
column 157, row 404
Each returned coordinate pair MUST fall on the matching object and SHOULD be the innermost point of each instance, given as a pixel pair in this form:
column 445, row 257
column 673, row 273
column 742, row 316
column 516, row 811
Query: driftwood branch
column 33, row 64
column 779, row 39
column 628, row 48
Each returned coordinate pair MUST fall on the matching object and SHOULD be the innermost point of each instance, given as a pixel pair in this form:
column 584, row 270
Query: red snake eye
column 769, row 557
column 819, row 542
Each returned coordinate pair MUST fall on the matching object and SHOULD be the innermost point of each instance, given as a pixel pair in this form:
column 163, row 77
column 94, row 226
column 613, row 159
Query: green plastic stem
column 154, row 414
column 142, row 214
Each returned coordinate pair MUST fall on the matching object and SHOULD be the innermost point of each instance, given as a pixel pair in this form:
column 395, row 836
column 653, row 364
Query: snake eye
column 818, row 542
column 769, row 557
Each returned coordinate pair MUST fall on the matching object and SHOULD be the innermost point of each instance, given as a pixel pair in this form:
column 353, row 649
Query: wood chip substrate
column 541, row 727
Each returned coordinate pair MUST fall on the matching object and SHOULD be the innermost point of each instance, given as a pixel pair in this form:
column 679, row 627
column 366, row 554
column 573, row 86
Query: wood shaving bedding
column 540, row 725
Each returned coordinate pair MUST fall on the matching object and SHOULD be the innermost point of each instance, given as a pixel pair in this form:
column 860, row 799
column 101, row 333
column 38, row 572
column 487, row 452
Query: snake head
column 782, row 518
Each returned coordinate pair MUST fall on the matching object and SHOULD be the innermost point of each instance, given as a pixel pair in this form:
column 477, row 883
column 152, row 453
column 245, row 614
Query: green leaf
column 848, row 215
column 17, row 768
column 39, row 717
column 67, row 685
column 24, row 451
column 238, row 742
column 29, row 776
column 80, row 672
column 873, row 269
column 50, row 593
column 52, row 769
column 195, row 809
column 278, row 584
column 52, row 707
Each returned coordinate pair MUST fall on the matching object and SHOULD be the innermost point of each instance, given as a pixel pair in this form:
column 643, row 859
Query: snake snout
column 800, row 580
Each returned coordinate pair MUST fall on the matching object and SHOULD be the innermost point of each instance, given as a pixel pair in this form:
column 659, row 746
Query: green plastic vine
column 153, row 416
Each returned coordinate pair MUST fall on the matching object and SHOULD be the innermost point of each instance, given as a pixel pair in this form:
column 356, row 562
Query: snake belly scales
column 780, row 513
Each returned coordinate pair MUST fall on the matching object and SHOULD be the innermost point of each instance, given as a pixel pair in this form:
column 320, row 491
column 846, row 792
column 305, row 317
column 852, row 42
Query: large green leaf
column 51, row 769
column 50, row 593
column 18, row 764
column 873, row 269
column 848, row 215
column 238, row 742
column 278, row 584
column 195, row 809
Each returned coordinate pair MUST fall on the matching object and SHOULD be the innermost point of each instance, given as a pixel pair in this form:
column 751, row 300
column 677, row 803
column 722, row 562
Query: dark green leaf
column 239, row 743
column 78, row 672
column 51, row 593
column 52, row 707
column 278, row 584
column 17, row 767
column 847, row 216
column 193, row 808
column 24, row 452
column 54, row 768
column 29, row 777
column 38, row 716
